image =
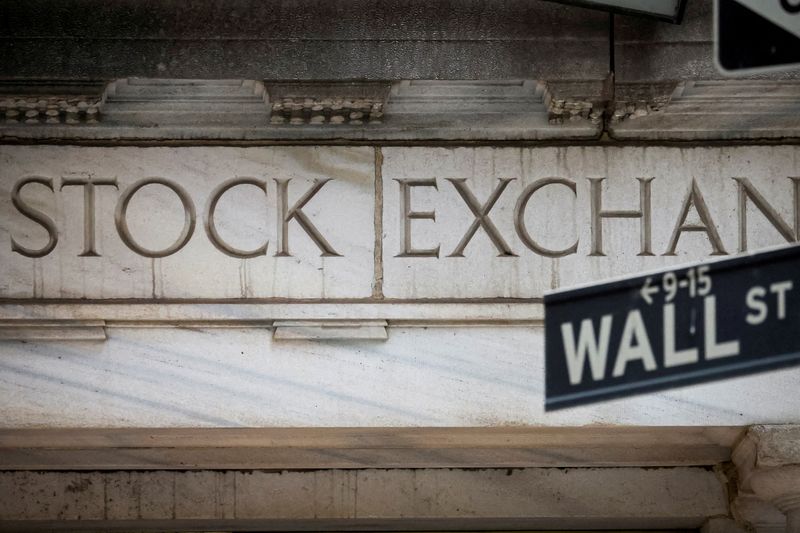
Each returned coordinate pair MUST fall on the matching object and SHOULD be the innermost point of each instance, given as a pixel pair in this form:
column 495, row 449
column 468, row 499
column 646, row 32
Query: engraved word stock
column 285, row 213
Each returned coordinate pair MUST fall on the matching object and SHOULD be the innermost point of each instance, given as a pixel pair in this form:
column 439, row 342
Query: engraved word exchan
column 693, row 200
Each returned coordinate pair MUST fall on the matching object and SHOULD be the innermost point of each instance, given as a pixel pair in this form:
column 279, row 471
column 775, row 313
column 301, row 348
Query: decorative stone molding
column 707, row 110
column 354, row 103
column 768, row 459
column 420, row 110
column 575, row 101
column 635, row 100
column 328, row 111
column 59, row 103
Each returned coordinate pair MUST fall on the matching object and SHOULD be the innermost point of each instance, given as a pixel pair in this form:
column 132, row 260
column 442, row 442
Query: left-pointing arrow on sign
column 646, row 291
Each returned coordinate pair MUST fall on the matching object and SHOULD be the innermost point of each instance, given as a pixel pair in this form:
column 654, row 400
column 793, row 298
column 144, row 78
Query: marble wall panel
column 550, row 241
column 246, row 218
column 234, row 377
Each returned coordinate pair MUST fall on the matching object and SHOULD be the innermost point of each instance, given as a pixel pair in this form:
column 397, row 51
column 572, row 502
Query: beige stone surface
column 342, row 211
column 542, row 498
column 556, row 218
column 318, row 448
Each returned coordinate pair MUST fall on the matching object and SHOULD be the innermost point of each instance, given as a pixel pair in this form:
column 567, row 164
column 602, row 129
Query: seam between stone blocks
column 377, row 282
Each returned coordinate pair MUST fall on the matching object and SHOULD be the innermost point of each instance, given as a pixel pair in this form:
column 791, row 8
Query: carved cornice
column 57, row 103
column 297, row 111
column 158, row 109
column 420, row 110
column 354, row 103
column 636, row 100
column 184, row 104
column 713, row 110
column 575, row 102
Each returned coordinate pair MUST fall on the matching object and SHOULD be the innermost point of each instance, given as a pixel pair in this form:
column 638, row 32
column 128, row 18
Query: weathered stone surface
column 367, row 39
column 697, row 110
column 533, row 498
column 722, row 525
column 235, row 109
column 761, row 516
column 768, row 463
column 121, row 264
column 425, row 257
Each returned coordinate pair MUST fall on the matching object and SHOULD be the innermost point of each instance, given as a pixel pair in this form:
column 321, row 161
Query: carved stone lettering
column 121, row 218
column 482, row 219
column 521, row 221
column 211, row 227
column 281, row 222
column 515, row 221
column 694, row 198
column 598, row 214
column 286, row 215
column 519, row 217
column 407, row 214
column 747, row 191
column 37, row 216
column 88, row 185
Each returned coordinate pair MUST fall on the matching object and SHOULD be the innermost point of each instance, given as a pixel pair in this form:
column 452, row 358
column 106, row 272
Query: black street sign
column 694, row 324
column 757, row 35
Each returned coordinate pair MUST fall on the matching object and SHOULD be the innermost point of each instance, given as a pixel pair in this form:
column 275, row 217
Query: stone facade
column 282, row 266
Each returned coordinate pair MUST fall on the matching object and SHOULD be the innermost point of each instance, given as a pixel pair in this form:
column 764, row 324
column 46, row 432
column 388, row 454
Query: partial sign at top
column 757, row 35
column 688, row 325
column 668, row 10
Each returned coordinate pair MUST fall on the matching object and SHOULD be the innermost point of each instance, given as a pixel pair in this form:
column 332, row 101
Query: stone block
column 618, row 498
column 558, row 217
column 365, row 39
column 150, row 235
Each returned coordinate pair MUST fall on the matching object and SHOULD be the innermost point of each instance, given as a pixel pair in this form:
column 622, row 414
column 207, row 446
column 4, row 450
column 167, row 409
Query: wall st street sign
column 699, row 323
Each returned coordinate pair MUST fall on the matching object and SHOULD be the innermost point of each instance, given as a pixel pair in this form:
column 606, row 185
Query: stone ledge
column 287, row 330
column 455, row 110
column 116, row 314
column 313, row 448
column 52, row 330
column 708, row 110
column 402, row 111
